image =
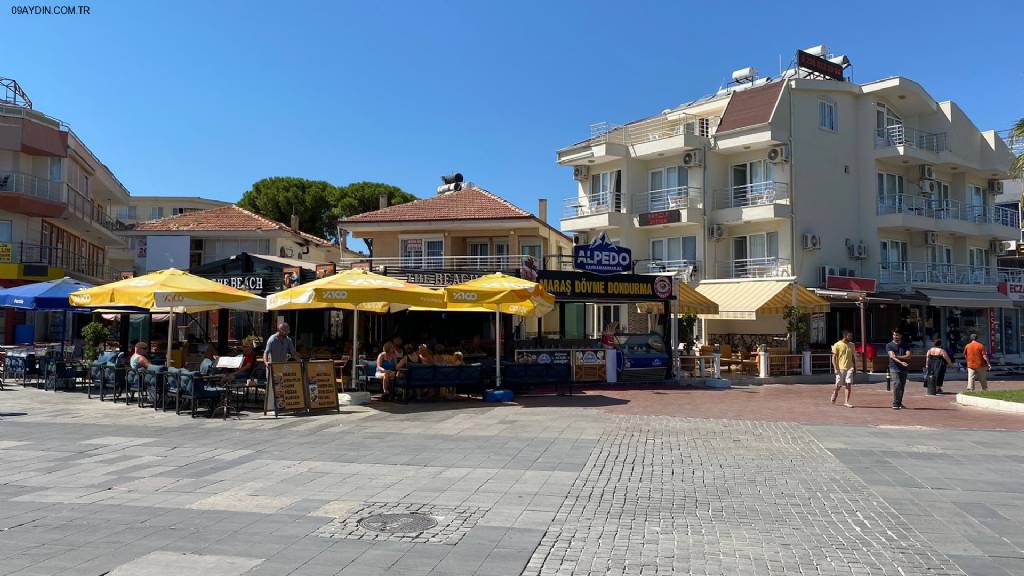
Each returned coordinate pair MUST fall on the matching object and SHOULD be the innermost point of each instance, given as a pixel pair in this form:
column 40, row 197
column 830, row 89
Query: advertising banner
column 286, row 389
column 589, row 366
column 321, row 387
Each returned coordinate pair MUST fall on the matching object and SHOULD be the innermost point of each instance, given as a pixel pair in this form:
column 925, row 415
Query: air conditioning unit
column 824, row 272
column 580, row 173
column 581, row 238
column 693, row 158
column 929, row 187
column 811, row 242
column 778, row 154
column 931, row 238
column 716, row 232
column 858, row 251
column 998, row 247
column 927, row 172
column 995, row 186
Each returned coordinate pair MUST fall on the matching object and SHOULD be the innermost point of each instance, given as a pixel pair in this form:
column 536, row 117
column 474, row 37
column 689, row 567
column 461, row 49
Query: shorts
column 844, row 376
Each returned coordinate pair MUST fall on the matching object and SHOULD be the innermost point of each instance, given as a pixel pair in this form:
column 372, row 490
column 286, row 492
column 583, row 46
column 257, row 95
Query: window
column 5, row 231
column 976, row 209
column 156, row 212
column 667, row 188
column 673, row 253
column 605, row 188
column 501, row 251
column 176, row 211
column 893, row 256
column 827, row 117
column 531, row 248
column 704, row 127
column 421, row 252
column 56, row 171
column 753, row 183
column 756, row 255
column 606, row 314
column 888, row 126
column 126, row 213
column 195, row 252
column 890, row 193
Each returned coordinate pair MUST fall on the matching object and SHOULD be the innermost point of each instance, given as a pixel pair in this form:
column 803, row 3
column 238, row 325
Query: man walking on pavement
column 844, row 362
column 977, row 363
column 899, row 360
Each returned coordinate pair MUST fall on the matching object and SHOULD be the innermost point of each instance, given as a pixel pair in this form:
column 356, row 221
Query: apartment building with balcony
column 57, row 199
column 806, row 176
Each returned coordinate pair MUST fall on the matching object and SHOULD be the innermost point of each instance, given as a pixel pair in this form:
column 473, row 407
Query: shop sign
column 623, row 287
column 543, row 357
column 126, row 275
column 438, row 278
column 321, row 386
column 291, row 276
column 6, row 252
column 286, row 387
column 851, row 284
column 662, row 217
column 589, row 366
column 602, row 257
column 325, row 270
column 1015, row 290
column 819, row 65
column 247, row 283
column 993, row 333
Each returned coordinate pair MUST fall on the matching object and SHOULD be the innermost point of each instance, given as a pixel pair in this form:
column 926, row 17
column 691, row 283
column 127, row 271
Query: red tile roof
column 750, row 107
column 224, row 218
column 470, row 203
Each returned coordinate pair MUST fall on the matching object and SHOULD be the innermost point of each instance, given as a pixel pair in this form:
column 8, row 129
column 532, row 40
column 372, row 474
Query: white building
column 803, row 177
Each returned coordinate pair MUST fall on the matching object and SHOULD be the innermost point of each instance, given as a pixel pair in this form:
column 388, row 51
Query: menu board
column 543, row 357
column 589, row 365
column 286, row 387
column 321, row 387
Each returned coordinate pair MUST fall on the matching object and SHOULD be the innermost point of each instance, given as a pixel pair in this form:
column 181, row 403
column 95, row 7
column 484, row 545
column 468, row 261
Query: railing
column 20, row 183
column 602, row 133
column 755, row 268
column 678, row 198
column 660, row 127
column 902, row 135
column 456, row 263
column 756, row 194
column 905, row 273
column 688, row 269
column 73, row 262
column 22, row 112
column 589, row 204
column 948, row 210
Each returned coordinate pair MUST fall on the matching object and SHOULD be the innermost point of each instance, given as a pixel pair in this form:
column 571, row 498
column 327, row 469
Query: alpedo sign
column 602, row 257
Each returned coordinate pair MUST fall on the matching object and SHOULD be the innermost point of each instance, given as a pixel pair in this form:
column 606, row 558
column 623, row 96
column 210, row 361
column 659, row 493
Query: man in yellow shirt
column 844, row 364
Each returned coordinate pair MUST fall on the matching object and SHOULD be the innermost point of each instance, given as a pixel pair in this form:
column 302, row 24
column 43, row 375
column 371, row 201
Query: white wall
column 167, row 252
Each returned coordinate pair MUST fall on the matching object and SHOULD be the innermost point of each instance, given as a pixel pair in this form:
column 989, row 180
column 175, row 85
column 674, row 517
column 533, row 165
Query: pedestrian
column 279, row 347
column 899, row 361
column 977, row 363
column 844, row 364
column 935, row 368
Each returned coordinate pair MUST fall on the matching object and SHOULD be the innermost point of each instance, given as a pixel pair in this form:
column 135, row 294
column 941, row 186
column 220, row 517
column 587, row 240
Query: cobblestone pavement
column 550, row 486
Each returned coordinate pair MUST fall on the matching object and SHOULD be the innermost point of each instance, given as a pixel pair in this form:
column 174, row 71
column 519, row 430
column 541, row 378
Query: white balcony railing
column 590, row 204
column 948, row 210
column 756, row 194
column 906, row 273
column 902, row 135
column 688, row 269
column 755, row 268
column 456, row 263
column 27, row 184
column 678, row 198
column 652, row 129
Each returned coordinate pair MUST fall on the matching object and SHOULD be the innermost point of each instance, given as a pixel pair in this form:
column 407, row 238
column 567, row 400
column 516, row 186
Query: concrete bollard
column 717, row 364
column 806, row 363
column 762, row 361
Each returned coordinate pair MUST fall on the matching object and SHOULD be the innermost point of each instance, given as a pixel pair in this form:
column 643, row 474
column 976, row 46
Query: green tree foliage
column 1017, row 134
column 318, row 204
column 94, row 334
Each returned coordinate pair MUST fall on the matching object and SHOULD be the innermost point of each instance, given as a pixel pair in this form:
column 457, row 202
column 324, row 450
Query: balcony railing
column 688, row 269
column 456, row 263
column 902, row 135
column 755, row 268
column 29, row 185
column 58, row 257
column 948, row 210
column 652, row 129
column 905, row 273
column 591, row 204
column 678, row 198
column 756, row 194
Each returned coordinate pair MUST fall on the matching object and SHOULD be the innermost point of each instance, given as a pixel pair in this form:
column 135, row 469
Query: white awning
column 955, row 299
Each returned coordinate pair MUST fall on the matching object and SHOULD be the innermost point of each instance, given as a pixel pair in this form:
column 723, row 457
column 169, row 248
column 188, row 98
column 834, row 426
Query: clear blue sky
column 203, row 98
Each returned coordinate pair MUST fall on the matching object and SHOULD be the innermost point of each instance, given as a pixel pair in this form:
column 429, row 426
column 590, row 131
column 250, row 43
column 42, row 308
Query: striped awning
column 750, row 300
column 690, row 302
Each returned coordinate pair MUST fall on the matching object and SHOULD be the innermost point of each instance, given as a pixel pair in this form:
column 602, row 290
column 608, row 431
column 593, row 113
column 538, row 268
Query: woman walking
column 935, row 368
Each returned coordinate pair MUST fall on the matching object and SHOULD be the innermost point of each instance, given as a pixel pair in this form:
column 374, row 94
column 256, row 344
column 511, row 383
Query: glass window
column 827, row 115
column 434, row 252
column 656, row 180
column 126, row 213
column 658, row 249
column 156, row 212
column 532, row 249
column 5, row 231
column 56, row 172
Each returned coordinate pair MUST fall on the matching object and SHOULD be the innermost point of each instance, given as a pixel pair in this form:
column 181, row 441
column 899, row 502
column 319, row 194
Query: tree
column 95, row 335
column 279, row 197
column 360, row 197
column 1017, row 137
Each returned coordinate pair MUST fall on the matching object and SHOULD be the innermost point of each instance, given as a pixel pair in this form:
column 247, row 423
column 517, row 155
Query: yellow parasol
column 500, row 293
column 355, row 290
column 171, row 290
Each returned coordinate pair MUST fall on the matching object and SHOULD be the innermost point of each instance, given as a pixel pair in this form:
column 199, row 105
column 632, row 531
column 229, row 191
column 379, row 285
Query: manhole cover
column 398, row 523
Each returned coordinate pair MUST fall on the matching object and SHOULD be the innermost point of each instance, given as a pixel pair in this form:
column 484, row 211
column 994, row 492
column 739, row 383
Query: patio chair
column 194, row 387
column 171, row 386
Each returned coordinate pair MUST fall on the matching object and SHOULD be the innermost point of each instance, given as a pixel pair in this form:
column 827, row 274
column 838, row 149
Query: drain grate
column 410, row 523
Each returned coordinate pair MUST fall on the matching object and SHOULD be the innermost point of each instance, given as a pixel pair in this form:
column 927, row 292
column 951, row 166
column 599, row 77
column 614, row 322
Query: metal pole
column 355, row 345
column 863, row 335
column 170, row 336
column 497, row 348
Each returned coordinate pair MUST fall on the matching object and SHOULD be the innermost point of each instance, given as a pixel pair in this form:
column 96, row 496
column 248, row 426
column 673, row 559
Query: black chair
column 171, row 386
column 153, row 381
column 194, row 387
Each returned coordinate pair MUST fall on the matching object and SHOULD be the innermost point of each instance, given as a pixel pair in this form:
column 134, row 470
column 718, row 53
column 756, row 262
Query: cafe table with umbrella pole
column 356, row 290
column 500, row 293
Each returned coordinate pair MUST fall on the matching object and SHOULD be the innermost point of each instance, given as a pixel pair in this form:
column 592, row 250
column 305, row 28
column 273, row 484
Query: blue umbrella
column 52, row 295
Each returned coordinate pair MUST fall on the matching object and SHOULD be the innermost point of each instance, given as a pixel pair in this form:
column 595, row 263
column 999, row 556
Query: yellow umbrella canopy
column 501, row 293
column 168, row 290
column 355, row 290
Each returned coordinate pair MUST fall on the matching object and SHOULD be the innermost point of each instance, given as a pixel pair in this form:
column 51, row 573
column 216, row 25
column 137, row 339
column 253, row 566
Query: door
column 893, row 256
column 740, row 185
column 677, row 180
column 975, row 204
column 888, row 125
column 501, row 253
column 656, row 193
column 479, row 251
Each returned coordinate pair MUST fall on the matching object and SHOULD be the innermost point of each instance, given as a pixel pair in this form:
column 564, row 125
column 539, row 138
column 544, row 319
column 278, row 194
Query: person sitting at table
column 248, row 361
column 458, row 361
column 209, row 360
column 426, row 356
column 139, row 358
column 410, row 357
column 387, row 366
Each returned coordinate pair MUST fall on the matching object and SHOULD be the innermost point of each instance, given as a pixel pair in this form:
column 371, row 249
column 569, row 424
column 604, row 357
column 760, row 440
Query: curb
column 990, row 404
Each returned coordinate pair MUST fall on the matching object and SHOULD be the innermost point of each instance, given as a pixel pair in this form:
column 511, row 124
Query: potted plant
column 95, row 335
column 798, row 327
column 688, row 362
